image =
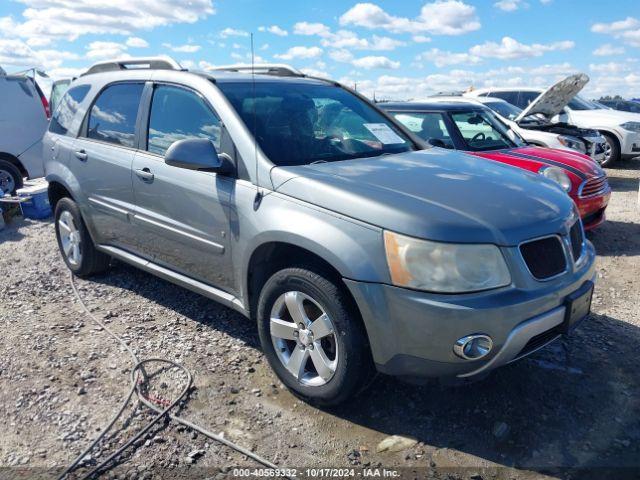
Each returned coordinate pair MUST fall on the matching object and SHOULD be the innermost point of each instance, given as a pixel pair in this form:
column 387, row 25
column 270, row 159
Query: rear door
column 182, row 216
column 101, row 160
column 60, row 140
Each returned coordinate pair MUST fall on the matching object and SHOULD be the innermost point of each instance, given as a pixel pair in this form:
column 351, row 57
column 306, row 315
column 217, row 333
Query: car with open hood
column 561, row 103
column 538, row 131
column 295, row 201
column 474, row 128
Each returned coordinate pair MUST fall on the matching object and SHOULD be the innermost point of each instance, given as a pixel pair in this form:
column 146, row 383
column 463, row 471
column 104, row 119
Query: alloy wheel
column 70, row 238
column 304, row 338
column 7, row 183
column 607, row 151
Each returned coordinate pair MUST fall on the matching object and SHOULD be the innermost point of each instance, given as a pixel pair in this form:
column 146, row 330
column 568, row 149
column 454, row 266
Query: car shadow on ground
column 576, row 403
column 623, row 184
column 616, row 238
column 573, row 404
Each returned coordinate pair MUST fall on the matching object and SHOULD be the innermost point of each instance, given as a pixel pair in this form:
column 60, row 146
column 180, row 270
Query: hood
column 579, row 167
column 551, row 102
column 434, row 194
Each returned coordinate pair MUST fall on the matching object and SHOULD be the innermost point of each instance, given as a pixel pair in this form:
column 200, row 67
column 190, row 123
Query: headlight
column 631, row 126
column 444, row 267
column 557, row 175
column 572, row 143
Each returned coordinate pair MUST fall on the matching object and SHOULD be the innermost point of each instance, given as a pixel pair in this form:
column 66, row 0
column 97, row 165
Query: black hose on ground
column 138, row 380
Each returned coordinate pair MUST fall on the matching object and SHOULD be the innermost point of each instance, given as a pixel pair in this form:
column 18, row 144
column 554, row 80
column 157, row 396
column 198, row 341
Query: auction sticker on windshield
column 383, row 133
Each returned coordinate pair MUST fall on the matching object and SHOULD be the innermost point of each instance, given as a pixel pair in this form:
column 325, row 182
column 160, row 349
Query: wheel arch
column 275, row 255
column 14, row 161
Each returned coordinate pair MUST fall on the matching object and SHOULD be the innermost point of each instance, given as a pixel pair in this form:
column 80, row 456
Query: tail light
column 43, row 99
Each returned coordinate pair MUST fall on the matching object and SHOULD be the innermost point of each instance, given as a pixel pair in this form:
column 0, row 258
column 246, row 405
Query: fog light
column 473, row 347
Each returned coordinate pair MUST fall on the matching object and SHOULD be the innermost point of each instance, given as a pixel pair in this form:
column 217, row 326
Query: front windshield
column 579, row 103
column 302, row 123
column 482, row 131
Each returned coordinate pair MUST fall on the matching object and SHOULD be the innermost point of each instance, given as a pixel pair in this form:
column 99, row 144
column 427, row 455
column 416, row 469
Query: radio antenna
column 258, row 199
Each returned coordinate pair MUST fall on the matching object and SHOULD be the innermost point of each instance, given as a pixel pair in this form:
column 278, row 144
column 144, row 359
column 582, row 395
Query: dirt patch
column 574, row 404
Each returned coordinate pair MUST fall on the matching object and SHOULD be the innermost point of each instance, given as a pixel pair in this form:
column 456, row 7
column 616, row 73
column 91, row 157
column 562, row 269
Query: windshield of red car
column 481, row 130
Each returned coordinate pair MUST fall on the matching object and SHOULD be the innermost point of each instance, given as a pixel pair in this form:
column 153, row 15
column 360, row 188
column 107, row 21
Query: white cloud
column 609, row 67
column 345, row 38
column 627, row 30
column 442, row 17
column 275, row 29
column 510, row 5
column 232, row 32
column 306, row 28
column 313, row 72
column 442, row 58
column 300, row 52
column 618, row 26
column 136, row 42
column 509, row 49
column 375, row 62
column 421, row 39
column 16, row 53
column 100, row 50
column 187, row 48
column 342, row 56
column 49, row 20
column 607, row 50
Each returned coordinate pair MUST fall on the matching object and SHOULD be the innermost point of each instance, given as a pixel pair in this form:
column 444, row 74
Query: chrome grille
column 594, row 186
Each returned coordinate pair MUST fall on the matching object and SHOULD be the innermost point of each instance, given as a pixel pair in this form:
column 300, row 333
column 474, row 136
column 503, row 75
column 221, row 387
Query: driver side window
column 177, row 114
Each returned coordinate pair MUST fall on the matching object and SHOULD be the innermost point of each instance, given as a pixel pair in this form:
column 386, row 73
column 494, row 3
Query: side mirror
column 436, row 142
column 197, row 154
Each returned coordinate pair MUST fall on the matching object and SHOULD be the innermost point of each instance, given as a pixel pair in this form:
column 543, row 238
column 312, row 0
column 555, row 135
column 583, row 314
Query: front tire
column 312, row 337
column 611, row 150
column 10, row 177
column 77, row 249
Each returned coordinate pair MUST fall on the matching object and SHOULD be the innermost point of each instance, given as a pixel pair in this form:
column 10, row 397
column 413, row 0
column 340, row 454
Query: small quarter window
column 113, row 116
column 66, row 111
column 177, row 114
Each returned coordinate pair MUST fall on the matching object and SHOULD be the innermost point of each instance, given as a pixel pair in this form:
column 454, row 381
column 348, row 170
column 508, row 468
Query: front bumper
column 630, row 144
column 592, row 209
column 412, row 333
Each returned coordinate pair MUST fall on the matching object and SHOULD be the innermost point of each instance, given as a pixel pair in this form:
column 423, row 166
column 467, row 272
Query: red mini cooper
column 474, row 128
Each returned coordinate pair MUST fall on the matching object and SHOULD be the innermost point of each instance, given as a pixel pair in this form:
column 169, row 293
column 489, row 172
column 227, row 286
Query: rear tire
column 612, row 150
column 77, row 249
column 337, row 344
column 10, row 177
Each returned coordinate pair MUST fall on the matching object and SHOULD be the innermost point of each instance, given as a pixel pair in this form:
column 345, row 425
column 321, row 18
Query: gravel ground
column 573, row 405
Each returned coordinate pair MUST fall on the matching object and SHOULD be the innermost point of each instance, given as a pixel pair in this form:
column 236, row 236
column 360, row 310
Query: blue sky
column 399, row 49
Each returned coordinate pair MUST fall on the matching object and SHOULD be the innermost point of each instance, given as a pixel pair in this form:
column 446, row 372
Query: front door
column 182, row 216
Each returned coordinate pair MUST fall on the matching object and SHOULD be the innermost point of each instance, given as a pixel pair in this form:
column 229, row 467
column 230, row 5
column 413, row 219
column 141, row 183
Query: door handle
column 145, row 175
column 81, row 155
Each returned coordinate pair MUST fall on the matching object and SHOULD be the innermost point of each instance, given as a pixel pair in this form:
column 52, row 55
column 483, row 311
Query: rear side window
column 177, row 114
column 69, row 104
column 112, row 118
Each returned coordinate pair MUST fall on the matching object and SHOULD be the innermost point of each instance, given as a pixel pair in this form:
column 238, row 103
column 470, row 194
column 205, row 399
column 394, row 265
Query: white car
column 621, row 130
column 24, row 117
column 540, row 132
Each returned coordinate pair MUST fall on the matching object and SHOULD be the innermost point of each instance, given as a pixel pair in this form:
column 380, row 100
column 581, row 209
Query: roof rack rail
column 154, row 63
column 275, row 69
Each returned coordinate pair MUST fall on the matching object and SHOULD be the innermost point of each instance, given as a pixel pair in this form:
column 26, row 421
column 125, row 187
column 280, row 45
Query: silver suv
column 301, row 205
